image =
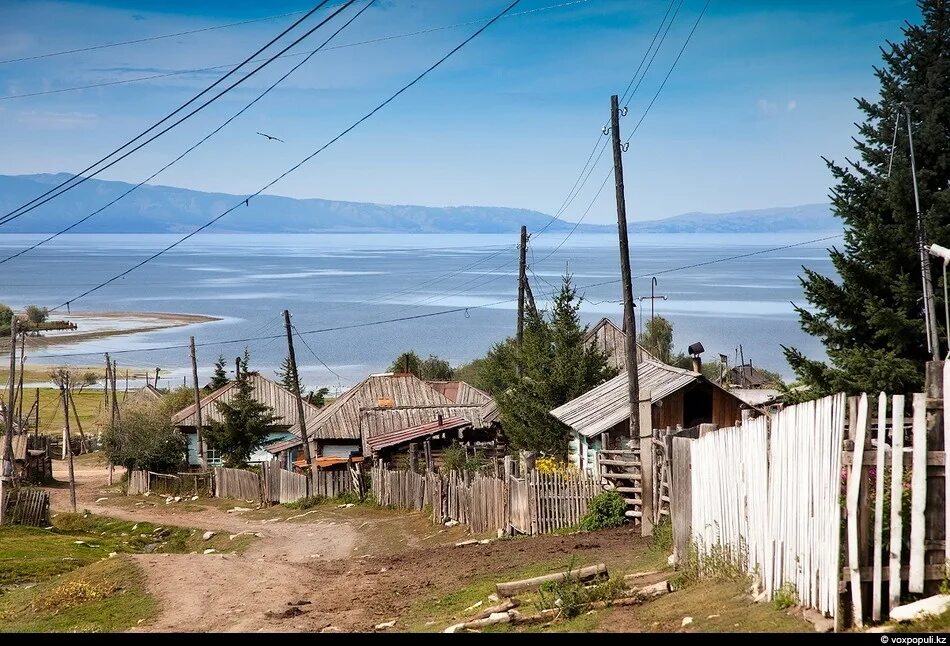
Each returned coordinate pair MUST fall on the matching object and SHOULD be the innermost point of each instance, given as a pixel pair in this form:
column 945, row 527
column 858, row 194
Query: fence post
column 646, row 464
column 937, row 528
column 681, row 499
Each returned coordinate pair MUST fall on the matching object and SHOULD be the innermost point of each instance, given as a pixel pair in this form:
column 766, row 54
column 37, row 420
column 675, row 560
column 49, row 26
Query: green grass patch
column 30, row 554
column 107, row 596
column 932, row 624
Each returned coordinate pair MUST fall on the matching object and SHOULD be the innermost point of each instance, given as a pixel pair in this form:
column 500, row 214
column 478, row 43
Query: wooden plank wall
column 681, row 498
column 330, row 483
column 237, row 483
column 138, row 482
column 27, row 506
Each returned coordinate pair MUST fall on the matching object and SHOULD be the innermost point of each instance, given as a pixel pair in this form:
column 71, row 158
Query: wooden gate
column 519, row 496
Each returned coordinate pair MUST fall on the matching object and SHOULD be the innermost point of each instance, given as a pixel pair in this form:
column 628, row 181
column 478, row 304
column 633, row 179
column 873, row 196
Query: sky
column 762, row 91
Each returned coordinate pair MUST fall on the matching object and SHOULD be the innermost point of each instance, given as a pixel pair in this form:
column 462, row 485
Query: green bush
column 785, row 597
column 305, row 503
column 605, row 510
column 574, row 596
column 661, row 540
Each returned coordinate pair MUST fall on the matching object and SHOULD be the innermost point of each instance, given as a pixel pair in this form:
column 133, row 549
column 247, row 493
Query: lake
column 340, row 280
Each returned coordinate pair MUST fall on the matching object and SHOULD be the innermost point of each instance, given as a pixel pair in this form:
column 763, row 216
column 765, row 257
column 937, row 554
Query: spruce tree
column 871, row 319
column 219, row 378
column 247, row 423
column 286, row 376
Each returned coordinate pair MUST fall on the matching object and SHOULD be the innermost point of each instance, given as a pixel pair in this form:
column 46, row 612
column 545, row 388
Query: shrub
column 606, row 509
column 573, row 597
column 305, row 503
column 785, row 597
column 661, row 540
column 455, row 458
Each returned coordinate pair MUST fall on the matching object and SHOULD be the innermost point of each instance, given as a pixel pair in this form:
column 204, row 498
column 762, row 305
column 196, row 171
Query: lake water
column 339, row 280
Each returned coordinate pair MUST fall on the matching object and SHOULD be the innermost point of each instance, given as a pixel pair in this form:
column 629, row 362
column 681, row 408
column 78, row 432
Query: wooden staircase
column 619, row 471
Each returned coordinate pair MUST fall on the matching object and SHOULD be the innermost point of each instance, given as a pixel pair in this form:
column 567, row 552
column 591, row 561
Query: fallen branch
column 505, row 606
column 510, row 588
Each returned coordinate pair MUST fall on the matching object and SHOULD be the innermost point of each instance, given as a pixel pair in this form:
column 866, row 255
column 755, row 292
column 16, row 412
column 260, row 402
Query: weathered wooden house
column 600, row 418
column 32, row 461
column 267, row 392
column 611, row 340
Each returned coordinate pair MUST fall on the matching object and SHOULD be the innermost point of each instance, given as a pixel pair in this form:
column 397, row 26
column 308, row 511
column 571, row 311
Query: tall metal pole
column 630, row 325
column 194, row 376
column 6, row 474
column 522, row 281
column 293, row 372
column 930, row 319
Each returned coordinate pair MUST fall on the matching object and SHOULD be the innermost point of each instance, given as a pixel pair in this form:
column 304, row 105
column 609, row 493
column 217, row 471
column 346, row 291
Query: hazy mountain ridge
column 165, row 209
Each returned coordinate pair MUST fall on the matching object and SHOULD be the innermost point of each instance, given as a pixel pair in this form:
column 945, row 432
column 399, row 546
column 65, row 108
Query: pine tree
column 286, row 376
column 246, row 425
column 871, row 322
column 219, row 377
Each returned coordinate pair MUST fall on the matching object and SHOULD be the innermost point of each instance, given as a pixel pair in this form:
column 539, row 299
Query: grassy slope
column 88, row 404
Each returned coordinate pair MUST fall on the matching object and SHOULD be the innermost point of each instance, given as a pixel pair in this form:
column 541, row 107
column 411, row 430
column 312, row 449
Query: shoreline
column 106, row 324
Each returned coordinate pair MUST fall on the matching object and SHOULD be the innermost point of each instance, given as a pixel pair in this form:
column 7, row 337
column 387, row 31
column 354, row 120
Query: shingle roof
column 609, row 403
column 266, row 392
column 414, row 432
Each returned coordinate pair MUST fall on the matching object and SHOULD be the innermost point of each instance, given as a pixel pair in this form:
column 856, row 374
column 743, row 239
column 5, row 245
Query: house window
column 213, row 457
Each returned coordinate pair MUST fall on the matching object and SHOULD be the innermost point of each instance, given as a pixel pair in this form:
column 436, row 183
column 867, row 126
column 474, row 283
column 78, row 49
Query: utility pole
column 6, row 475
column 638, row 427
column 930, row 319
column 64, row 394
column 115, row 398
column 653, row 298
column 293, row 372
column 522, row 281
column 194, row 375
column 107, row 406
column 630, row 325
column 19, row 396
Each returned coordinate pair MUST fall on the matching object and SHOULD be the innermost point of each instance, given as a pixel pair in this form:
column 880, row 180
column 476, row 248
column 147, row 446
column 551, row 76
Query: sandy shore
column 97, row 325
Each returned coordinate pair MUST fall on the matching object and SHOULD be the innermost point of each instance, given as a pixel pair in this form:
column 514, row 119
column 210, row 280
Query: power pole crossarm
column 293, row 371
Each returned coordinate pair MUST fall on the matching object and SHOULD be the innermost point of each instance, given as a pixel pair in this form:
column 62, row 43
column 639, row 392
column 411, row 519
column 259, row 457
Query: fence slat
column 897, row 488
column 918, row 494
column 876, row 583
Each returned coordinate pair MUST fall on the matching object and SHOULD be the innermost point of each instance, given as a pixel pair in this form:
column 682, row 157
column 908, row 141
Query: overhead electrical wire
column 454, row 310
column 200, row 141
column 307, row 345
column 147, row 39
column 83, row 176
column 296, row 166
column 225, row 66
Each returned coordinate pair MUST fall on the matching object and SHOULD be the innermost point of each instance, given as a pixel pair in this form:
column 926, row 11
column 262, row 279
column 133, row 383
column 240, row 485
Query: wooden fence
column 538, row 503
column 27, row 506
column 182, row 484
column 331, row 483
column 237, row 483
column 795, row 496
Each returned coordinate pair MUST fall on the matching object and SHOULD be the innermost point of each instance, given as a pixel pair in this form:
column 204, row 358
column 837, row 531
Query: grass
column 932, row 624
column 31, row 554
column 88, row 405
column 107, row 596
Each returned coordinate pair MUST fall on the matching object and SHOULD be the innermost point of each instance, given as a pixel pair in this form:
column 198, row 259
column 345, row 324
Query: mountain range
column 166, row 209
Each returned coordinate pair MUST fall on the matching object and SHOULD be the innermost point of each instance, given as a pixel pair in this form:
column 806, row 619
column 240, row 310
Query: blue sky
column 762, row 91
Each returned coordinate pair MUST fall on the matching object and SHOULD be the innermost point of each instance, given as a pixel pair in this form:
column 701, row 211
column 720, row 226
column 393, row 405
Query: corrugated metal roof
column 342, row 418
column 414, row 432
column 611, row 340
column 266, row 392
column 382, row 421
column 609, row 403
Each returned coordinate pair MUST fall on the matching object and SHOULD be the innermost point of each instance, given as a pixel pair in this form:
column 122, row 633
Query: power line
column 370, row 41
column 322, row 362
column 301, row 162
column 35, row 202
column 148, row 39
column 203, row 139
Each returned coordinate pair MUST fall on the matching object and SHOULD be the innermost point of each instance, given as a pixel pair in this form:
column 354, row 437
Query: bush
column 144, row 438
column 606, row 509
column 785, row 597
column 574, row 597
column 305, row 503
column 661, row 540
column 455, row 458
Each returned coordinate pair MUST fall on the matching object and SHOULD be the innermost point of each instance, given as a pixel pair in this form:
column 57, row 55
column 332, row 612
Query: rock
column 686, row 621
column 493, row 597
column 821, row 623
column 113, row 554
column 300, row 602
column 177, row 498
column 930, row 606
column 293, row 611
column 194, row 497
column 210, row 550
column 207, row 536
column 451, row 523
column 330, row 629
column 385, row 624
column 151, row 547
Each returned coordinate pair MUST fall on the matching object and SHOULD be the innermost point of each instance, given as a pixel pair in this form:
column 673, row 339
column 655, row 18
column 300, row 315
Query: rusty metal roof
column 266, row 392
column 415, row 432
column 383, row 421
column 342, row 418
column 609, row 403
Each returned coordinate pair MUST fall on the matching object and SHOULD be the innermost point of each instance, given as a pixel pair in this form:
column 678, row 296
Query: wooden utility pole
column 194, row 376
column 19, row 395
column 105, row 391
column 522, row 281
column 630, row 326
column 64, row 395
column 293, row 372
column 36, row 412
column 115, row 398
column 6, row 474
column 82, row 436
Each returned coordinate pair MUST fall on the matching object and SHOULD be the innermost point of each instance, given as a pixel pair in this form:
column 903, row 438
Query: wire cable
column 296, row 166
column 147, row 39
column 28, row 206
column 307, row 345
column 371, row 41
column 200, row 141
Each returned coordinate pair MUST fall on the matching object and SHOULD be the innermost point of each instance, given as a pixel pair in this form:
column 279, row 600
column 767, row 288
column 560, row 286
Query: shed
column 32, row 461
column 266, row 391
column 599, row 419
column 611, row 340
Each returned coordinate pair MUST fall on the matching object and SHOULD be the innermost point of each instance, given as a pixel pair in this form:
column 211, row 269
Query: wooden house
column 600, row 418
column 32, row 461
column 611, row 340
column 267, row 392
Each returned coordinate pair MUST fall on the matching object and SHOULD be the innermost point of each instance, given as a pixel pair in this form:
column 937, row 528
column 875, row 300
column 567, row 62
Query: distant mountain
column 166, row 209
column 785, row 219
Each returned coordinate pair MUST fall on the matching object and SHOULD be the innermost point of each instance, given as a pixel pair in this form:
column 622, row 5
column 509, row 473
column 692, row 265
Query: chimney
column 695, row 350
column 237, row 368
column 697, row 364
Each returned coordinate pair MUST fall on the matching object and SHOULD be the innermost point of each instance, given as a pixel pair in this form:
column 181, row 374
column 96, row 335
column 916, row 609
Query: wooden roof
column 609, row 403
column 611, row 340
column 383, row 421
column 403, row 435
column 460, row 392
column 342, row 418
column 266, row 392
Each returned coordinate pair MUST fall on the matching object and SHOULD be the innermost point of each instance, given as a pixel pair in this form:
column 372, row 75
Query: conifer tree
column 871, row 319
column 247, row 423
column 219, row 378
column 286, row 376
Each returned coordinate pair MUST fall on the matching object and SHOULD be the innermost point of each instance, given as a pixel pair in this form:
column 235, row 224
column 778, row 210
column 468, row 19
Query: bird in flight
column 270, row 137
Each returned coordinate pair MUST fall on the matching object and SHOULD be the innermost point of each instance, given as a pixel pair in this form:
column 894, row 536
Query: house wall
column 668, row 411
column 726, row 409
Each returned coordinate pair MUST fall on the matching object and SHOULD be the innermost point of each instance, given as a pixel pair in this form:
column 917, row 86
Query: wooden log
column 504, row 606
column 511, row 588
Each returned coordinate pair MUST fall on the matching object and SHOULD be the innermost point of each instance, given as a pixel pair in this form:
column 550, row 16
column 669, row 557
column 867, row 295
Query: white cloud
column 792, row 104
column 47, row 120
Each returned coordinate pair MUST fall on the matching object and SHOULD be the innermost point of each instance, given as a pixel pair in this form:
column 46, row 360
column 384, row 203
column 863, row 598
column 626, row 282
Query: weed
column 785, row 597
column 719, row 562
column 573, row 597
column 661, row 540
column 606, row 509
column 306, row 503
